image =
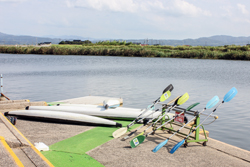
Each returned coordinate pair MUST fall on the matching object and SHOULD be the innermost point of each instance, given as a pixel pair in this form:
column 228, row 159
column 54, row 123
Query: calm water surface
column 139, row 81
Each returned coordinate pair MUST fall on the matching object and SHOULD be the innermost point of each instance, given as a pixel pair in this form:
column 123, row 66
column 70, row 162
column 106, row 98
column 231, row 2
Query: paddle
column 166, row 94
column 189, row 108
column 141, row 137
column 147, row 122
column 232, row 92
column 209, row 105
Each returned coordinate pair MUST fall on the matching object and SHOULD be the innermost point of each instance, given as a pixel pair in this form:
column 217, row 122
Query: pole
column 1, row 85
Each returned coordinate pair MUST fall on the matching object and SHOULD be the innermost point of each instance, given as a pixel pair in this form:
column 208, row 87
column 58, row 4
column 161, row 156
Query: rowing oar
column 163, row 143
column 232, row 92
column 209, row 105
column 148, row 121
column 141, row 137
column 189, row 108
column 166, row 94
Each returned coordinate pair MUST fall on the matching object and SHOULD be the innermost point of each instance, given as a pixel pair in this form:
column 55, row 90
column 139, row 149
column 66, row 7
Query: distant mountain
column 218, row 40
column 6, row 39
column 69, row 37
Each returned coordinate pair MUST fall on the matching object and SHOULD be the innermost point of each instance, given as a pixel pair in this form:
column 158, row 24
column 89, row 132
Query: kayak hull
column 117, row 113
column 62, row 116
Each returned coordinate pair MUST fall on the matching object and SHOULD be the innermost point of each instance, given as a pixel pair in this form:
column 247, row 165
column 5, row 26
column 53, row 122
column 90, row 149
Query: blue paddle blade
column 212, row 102
column 159, row 146
column 177, row 146
column 232, row 92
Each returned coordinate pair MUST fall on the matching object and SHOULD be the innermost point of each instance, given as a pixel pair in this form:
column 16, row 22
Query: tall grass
column 231, row 52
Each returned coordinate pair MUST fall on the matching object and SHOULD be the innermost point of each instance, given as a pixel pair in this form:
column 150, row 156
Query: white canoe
column 63, row 116
column 117, row 113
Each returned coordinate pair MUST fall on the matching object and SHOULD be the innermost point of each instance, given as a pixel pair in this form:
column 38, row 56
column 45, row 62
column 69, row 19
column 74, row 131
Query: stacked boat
column 82, row 113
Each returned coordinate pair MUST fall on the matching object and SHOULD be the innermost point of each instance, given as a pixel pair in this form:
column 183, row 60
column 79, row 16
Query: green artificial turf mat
column 86, row 141
column 62, row 159
column 72, row 151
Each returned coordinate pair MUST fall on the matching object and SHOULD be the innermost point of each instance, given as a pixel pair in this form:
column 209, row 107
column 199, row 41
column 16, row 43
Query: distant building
column 77, row 41
column 44, row 43
column 144, row 44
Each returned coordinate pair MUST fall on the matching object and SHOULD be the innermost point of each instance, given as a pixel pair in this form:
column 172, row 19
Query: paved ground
column 118, row 153
column 48, row 133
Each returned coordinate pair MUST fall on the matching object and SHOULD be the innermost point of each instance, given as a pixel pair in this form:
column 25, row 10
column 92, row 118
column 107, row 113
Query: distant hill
column 218, row 40
column 6, row 39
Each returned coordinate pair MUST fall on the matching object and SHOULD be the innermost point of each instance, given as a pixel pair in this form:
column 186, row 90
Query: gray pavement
column 119, row 153
column 216, row 153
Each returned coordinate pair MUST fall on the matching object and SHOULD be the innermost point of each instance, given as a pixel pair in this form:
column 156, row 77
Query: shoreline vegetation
column 227, row 52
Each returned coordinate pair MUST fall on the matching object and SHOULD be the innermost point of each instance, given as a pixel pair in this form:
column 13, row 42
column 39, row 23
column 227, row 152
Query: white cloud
column 242, row 8
column 172, row 7
column 105, row 5
column 13, row 0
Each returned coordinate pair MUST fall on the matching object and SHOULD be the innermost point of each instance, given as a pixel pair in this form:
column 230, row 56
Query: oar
column 226, row 98
column 148, row 121
column 166, row 94
column 189, row 108
column 177, row 103
column 209, row 105
column 141, row 137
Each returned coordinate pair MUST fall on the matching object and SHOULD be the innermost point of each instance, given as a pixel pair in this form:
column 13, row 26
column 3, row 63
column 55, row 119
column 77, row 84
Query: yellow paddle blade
column 165, row 96
column 183, row 99
column 172, row 101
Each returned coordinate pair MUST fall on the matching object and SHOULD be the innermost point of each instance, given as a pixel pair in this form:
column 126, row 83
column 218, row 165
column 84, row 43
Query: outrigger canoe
column 101, row 111
column 62, row 117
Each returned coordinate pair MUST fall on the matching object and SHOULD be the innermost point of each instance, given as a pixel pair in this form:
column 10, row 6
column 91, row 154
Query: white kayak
column 63, row 116
column 117, row 113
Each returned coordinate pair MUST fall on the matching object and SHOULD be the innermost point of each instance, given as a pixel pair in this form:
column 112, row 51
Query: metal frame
column 195, row 138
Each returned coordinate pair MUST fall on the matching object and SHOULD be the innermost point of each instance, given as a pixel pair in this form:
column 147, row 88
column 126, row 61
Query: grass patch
column 229, row 52
column 72, row 151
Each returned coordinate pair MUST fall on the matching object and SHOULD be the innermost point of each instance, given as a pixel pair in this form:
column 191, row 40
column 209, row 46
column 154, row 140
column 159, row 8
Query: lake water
column 139, row 81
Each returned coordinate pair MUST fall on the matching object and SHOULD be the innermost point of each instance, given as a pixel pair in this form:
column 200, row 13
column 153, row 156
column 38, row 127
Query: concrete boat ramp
column 17, row 145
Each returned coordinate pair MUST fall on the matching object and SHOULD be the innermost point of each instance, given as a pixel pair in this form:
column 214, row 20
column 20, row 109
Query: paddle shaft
column 140, row 126
column 133, row 122
column 186, row 124
column 149, row 121
column 204, row 120
column 165, row 122
column 148, row 115
column 158, row 120
column 169, row 120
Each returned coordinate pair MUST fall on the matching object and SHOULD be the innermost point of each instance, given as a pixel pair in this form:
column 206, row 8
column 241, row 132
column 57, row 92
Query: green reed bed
column 230, row 52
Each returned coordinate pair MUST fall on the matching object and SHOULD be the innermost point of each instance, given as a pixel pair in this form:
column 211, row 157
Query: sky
column 126, row 19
